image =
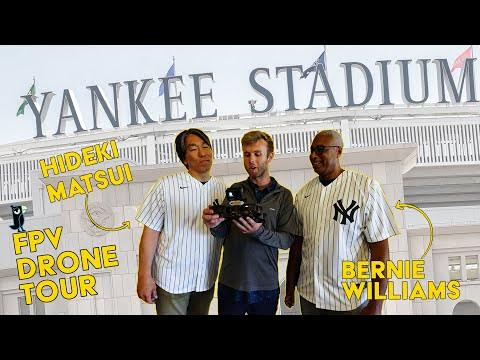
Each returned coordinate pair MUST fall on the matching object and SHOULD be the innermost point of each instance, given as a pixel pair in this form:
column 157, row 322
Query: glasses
column 319, row 149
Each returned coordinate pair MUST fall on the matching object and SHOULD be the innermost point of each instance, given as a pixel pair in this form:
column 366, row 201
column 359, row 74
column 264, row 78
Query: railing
column 440, row 142
column 134, row 152
column 165, row 152
column 15, row 178
column 294, row 142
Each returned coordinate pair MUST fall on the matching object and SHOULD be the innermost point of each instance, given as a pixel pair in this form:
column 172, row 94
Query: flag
column 460, row 60
column 170, row 72
column 32, row 92
column 319, row 61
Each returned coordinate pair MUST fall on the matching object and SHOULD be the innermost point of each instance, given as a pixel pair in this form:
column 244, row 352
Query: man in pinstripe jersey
column 345, row 217
column 178, row 257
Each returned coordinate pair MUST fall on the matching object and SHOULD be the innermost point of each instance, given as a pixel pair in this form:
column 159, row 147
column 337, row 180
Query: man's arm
column 378, row 252
column 293, row 270
column 146, row 286
column 277, row 239
column 217, row 225
column 221, row 230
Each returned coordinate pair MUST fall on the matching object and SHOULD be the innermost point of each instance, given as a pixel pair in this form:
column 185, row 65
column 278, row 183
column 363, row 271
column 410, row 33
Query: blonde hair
column 256, row 135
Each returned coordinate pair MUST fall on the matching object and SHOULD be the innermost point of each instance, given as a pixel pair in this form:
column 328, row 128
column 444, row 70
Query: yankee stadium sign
column 70, row 112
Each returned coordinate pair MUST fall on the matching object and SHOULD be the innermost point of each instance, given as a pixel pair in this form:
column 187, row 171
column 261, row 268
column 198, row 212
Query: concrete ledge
column 445, row 230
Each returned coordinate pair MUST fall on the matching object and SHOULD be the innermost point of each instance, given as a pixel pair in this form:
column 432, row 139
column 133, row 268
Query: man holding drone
column 248, row 281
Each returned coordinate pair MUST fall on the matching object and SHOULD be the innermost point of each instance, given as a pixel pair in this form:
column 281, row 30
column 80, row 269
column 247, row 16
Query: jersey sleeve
column 288, row 219
column 152, row 211
column 380, row 222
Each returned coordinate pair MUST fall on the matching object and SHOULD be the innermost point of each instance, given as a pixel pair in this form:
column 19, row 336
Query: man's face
column 325, row 158
column 255, row 158
column 198, row 155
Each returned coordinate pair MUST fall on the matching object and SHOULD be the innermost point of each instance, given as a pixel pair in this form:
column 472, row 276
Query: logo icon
column 18, row 219
column 353, row 207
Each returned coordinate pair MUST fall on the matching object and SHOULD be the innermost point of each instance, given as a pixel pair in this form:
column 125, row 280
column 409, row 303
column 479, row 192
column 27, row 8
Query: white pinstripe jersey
column 187, row 254
column 338, row 220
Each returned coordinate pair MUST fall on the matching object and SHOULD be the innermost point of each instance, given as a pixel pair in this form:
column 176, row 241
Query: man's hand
column 378, row 252
column 290, row 298
column 147, row 289
column 210, row 219
column 293, row 270
column 247, row 225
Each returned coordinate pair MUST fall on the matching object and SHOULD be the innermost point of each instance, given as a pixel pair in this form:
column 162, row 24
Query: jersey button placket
column 319, row 243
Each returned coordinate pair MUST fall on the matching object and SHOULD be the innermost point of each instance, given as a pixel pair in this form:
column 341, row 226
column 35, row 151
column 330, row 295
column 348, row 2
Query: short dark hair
column 256, row 135
column 180, row 142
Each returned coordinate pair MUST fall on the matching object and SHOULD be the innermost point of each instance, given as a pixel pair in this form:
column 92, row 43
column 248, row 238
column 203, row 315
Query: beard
column 257, row 173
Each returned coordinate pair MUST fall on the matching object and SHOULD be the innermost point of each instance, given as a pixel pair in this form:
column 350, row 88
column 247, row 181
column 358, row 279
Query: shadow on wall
column 466, row 307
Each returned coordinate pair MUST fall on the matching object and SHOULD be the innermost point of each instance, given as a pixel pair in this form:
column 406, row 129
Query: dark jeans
column 309, row 309
column 228, row 306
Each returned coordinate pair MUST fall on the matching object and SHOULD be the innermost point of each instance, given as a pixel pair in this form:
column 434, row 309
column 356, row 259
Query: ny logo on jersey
column 353, row 207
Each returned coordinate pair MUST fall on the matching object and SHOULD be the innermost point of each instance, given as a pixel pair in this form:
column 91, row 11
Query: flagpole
column 176, row 91
column 471, row 46
column 34, row 91
column 325, row 56
column 463, row 69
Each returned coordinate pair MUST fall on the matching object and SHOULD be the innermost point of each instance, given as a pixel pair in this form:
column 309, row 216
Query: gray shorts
column 191, row 303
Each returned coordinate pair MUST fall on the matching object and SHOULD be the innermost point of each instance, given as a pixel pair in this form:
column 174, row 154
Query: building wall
column 449, row 241
column 445, row 216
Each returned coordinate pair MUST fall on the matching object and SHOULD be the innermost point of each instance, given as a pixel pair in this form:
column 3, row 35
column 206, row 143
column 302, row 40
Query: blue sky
column 75, row 67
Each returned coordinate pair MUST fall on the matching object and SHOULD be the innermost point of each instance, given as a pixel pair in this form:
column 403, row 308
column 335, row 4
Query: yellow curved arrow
column 402, row 206
column 125, row 224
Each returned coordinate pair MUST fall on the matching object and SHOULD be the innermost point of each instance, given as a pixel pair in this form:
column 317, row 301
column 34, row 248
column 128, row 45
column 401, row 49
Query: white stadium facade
column 425, row 155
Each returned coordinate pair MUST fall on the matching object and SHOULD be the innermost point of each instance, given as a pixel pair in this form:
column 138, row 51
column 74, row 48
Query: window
column 454, row 268
column 35, row 308
column 471, row 263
